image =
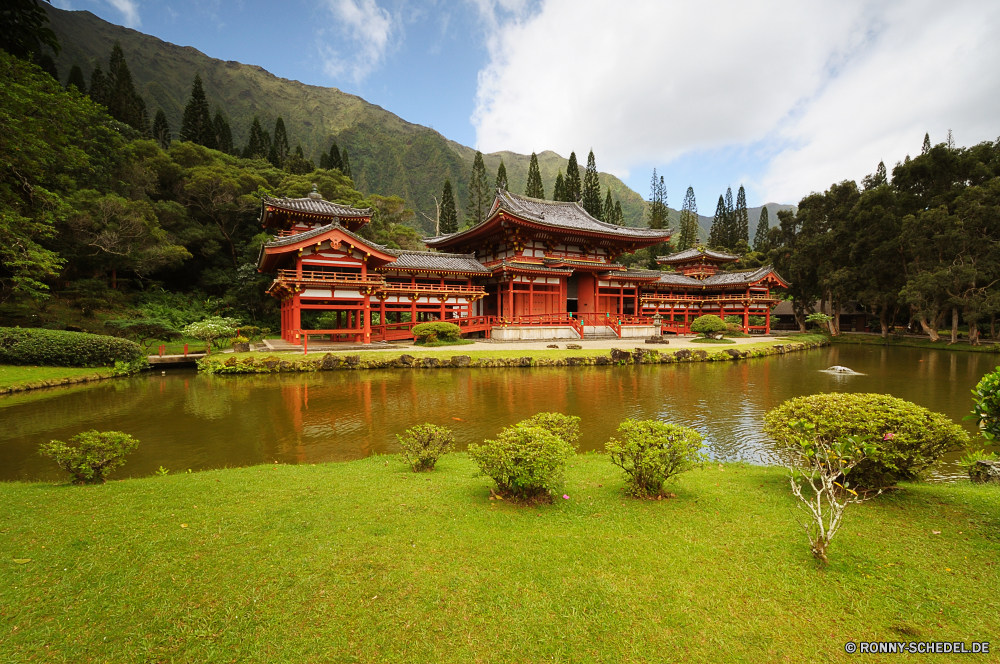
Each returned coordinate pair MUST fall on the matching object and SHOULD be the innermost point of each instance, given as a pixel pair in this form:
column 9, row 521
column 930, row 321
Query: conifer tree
column 257, row 142
column 534, row 187
column 501, row 182
column 47, row 64
column 196, row 123
column 592, row 189
column 76, row 79
column 619, row 215
column 729, row 227
column 608, row 210
column 278, row 154
column 658, row 202
column 98, row 86
column 742, row 217
column 717, row 234
column 448, row 221
column 334, row 160
column 572, row 187
column 161, row 129
column 123, row 102
column 688, row 221
column 479, row 192
column 345, row 164
column 763, row 228
column 927, row 144
column 559, row 189
column 223, row 133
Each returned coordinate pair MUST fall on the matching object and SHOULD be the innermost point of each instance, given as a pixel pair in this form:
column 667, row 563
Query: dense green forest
column 96, row 217
column 921, row 250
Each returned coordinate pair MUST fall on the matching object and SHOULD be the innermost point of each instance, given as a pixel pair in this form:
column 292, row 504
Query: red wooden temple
column 533, row 269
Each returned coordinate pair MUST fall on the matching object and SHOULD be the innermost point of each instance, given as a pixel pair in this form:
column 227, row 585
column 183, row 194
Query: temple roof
column 322, row 230
column 311, row 205
column 506, row 264
column 739, row 277
column 695, row 253
column 434, row 261
column 564, row 215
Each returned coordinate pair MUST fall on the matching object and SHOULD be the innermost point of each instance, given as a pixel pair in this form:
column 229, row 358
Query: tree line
column 920, row 249
column 571, row 188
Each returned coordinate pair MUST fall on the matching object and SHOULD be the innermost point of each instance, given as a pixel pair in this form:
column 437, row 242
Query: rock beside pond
column 683, row 354
column 553, row 346
column 574, row 347
column 733, row 353
column 461, row 361
column 430, row 363
column 353, row 360
column 984, row 471
column 330, row 362
column 619, row 356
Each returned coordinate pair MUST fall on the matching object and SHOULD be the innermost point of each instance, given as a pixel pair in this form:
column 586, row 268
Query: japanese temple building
column 533, row 269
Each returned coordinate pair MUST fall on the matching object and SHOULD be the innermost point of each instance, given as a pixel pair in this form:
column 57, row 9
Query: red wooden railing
column 390, row 287
column 331, row 278
column 565, row 318
column 706, row 298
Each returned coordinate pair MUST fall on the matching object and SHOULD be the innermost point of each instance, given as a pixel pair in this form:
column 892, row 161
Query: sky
column 783, row 97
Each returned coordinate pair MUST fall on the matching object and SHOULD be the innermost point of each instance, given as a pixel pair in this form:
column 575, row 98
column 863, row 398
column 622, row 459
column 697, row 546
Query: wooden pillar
column 531, row 298
column 767, row 320
column 368, row 318
column 296, row 318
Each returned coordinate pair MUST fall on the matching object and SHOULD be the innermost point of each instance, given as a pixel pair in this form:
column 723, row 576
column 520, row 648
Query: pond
column 185, row 420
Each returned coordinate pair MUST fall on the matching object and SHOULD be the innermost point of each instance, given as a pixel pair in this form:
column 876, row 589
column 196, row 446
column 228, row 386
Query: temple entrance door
column 522, row 304
column 572, row 284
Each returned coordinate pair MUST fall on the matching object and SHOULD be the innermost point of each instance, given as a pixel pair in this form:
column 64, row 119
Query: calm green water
column 190, row 421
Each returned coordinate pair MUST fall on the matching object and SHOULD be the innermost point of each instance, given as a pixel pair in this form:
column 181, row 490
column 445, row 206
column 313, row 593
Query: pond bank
column 246, row 363
column 857, row 338
column 22, row 378
column 366, row 561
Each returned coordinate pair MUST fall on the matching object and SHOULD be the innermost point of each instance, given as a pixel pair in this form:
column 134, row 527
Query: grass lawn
column 368, row 562
column 987, row 345
column 14, row 376
column 707, row 340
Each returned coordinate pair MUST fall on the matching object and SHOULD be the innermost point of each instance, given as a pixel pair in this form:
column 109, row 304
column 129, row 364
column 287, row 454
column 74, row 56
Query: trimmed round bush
column 90, row 456
column 431, row 332
column 526, row 462
column 652, row 452
column 566, row 427
column 708, row 325
column 424, row 444
column 64, row 349
column 907, row 438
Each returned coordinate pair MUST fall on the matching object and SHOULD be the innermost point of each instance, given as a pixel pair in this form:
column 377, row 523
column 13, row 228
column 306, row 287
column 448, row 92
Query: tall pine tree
column 479, row 193
column 258, row 143
column 619, row 215
column 927, row 144
column 123, row 102
column 278, row 153
column 572, row 186
column 98, row 86
column 729, row 234
column 717, row 235
column 763, row 228
column 345, row 164
column 501, row 182
column 196, row 123
column 657, row 202
column 608, row 209
column 559, row 189
column 449, row 215
column 223, row 133
column 76, row 79
column 534, row 187
column 742, row 218
column 592, row 189
column 161, row 129
column 688, row 221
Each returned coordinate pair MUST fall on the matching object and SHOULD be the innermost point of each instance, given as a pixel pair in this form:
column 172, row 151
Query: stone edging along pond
column 329, row 362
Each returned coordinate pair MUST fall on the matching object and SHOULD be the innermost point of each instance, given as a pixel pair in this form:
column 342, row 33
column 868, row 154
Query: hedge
column 64, row 349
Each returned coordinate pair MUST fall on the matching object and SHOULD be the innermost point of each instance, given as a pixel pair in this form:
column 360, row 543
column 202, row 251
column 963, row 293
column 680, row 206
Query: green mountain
column 388, row 155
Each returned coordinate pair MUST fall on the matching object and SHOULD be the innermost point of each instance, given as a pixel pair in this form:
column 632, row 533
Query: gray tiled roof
column 534, row 267
column 430, row 260
column 565, row 215
column 677, row 279
column 693, row 253
column 299, row 237
column 317, row 206
column 738, row 277
column 643, row 274
column 570, row 261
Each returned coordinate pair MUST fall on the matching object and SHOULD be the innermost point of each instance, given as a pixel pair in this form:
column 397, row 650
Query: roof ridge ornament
column 314, row 194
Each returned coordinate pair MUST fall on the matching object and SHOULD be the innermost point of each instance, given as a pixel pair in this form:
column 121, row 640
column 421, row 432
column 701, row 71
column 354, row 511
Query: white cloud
column 361, row 35
column 129, row 10
column 824, row 90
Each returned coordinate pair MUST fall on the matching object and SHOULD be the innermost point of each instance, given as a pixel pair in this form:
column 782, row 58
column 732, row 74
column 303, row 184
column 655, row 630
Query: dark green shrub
column 91, row 456
column 986, row 411
column 526, row 462
column 708, row 325
column 653, row 452
column 64, row 349
column 907, row 438
column 430, row 332
column 424, row 444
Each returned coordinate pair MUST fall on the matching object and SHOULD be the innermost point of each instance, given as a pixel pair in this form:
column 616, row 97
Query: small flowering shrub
column 527, row 460
column 90, row 456
column 905, row 438
column 424, row 444
column 652, row 452
column 212, row 330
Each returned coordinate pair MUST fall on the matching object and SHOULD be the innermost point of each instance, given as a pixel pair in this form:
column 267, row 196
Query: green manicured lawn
column 705, row 340
column 368, row 562
column 986, row 345
column 12, row 376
